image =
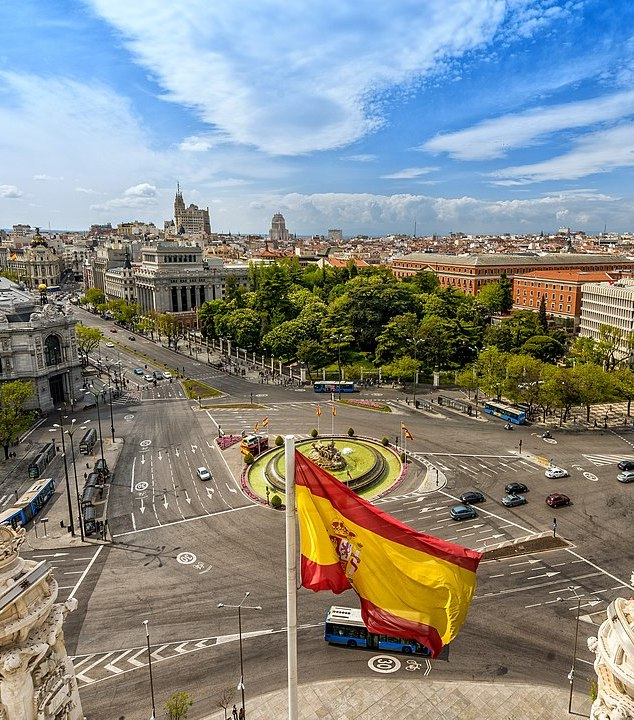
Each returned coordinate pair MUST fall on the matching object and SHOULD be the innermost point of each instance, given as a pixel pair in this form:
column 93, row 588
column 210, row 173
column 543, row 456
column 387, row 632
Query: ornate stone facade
column 614, row 663
column 37, row 679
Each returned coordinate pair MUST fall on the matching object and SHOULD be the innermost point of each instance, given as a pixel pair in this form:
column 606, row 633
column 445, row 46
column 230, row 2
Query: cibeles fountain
column 37, row 679
column 614, row 662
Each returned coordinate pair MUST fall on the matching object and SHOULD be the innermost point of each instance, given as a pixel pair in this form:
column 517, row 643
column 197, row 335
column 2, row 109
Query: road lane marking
column 86, row 571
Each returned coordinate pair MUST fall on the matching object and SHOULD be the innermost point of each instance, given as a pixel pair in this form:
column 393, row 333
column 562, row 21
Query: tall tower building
column 278, row 232
column 190, row 220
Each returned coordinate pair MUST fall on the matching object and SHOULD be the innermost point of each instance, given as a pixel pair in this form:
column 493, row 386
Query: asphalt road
column 181, row 546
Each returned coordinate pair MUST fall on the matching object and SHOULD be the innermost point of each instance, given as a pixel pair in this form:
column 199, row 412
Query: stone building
column 37, row 678
column 38, row 343
column 35, row 265
column 190, row 220
column 119, row 282
column 609, row 303
column 278, row 232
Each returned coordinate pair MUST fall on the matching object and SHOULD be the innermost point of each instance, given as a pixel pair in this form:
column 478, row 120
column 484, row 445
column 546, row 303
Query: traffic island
column 525, row 546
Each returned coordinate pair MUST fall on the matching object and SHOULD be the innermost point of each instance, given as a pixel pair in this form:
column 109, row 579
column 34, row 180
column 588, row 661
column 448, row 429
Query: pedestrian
column 234, row 712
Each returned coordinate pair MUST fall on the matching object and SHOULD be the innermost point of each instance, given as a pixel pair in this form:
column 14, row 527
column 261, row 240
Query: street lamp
column 70, row 505
column 239, row 608
column 96, row 395
column 70, row 432
column 149, row 660
column 111, row 417
column 571, row 674
column 415, row 342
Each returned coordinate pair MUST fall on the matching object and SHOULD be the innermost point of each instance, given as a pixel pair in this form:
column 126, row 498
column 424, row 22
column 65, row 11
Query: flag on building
column 410, row 585
column 318, row 412
column 256, row 427
column 265, row 422
column 408, row 434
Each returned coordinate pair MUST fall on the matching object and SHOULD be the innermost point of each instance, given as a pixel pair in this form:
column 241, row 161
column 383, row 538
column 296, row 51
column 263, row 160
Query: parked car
column 515, row 488
column 556, row 500
column 626, row 477
column 148, row 377
column 109, row 344
column 626, row 465
column 139, row 371
column 203, row 473
column 167, row 375
column 463, row 512
column 114, row 330
column 513, row 500
column 556, row 472
column 472, row 496
column 131, row 337
column 157, row 374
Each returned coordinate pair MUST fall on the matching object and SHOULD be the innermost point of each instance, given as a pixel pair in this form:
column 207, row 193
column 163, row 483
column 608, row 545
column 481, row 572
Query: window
column 52, row 350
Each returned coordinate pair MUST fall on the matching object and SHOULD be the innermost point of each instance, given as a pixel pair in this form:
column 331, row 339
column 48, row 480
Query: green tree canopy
column 14, row 420
column 88, row 339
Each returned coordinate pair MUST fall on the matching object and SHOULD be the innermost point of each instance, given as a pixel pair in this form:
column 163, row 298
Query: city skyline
column 496, row 117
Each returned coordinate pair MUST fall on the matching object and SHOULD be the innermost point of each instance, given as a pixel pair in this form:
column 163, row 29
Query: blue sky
column 480, row 116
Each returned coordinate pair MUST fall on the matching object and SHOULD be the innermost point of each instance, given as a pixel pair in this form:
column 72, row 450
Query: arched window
column 52, row 350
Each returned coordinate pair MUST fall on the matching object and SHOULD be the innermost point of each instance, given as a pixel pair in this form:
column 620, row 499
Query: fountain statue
column 327, row 456
column 614, row 662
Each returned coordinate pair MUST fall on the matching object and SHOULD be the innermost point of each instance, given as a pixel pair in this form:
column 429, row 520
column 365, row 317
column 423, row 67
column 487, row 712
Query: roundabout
column 365, row 465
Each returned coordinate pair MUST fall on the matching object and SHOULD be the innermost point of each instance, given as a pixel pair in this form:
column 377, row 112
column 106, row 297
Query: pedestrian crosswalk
column 607, row 459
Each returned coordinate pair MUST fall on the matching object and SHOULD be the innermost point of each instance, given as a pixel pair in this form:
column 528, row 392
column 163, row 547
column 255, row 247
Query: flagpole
column 318, row 416
column 332, row 420
column 291, row 576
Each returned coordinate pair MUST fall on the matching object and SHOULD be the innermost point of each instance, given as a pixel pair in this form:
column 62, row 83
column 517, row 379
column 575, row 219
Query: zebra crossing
column 606, row 459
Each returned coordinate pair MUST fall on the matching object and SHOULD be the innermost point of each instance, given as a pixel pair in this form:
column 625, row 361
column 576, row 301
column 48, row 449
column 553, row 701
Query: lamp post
column 111, row 417
column 70, row 432
column 415, row 342
column 149, row 661
column 239, row 608
column 571, row 674
column 71, row 525
column 96, row 394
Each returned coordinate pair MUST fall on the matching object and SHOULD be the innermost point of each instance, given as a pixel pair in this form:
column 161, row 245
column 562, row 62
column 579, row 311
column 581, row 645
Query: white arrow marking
column 165, row 500
column 230, row 489
column 209, row 445
column 187, row 498
column 177, row 453
column 194, row 448
column 142, row 459
column 160, row 457
column 548, row 574
column 133, row 659
column 156, row 655
column 142, row 508
column 524, row 562
column 203, row 643
column 181, row 648
column 111, row 667
column 210, row 492
column 57, row 554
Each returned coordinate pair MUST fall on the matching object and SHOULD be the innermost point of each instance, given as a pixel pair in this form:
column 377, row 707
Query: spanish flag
column 408, row 434
column 334, row 410
column 256, row 427
column 318, row 413
column 410, row 585
column 265, row 422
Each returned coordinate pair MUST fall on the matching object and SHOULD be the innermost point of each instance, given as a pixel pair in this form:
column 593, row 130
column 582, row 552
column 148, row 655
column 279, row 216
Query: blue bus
column 506, row 412
column 29, row 505
column 334, row 386
column 344, row 626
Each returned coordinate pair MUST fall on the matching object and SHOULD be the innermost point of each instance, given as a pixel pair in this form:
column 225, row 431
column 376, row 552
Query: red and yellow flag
column 265, row 422
column 334, row 410
column 256, row 427
column 408, row 434
column 318, row 413
column 411, row 585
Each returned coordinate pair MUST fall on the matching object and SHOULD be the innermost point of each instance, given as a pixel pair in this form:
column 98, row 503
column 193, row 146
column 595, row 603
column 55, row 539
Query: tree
column 424, row 281
column 491, row 296
column 14, row 420
column 491, row 370
column 507, row 292
column 177, row 705
column 543, row 320
column 543, row 347
column 88, row 339
column 93, row 296
column 614, row 346
column 593, row 385
column 226, row 699
column 171, row 327
column 624, row 385
column 403, row 368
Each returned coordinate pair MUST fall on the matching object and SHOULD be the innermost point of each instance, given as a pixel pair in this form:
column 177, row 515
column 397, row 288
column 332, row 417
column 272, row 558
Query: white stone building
column 608, row 304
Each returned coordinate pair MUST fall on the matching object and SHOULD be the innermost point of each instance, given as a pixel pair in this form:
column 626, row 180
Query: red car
column 557, row 500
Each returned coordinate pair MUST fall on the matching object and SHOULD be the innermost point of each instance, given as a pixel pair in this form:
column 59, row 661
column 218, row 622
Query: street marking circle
column 186, row 558
column 261, row 395
column 300, row 389
column 590, row 476
column 552, row 441
column 145, row 443
column 384, row 664
column 141, row 486
column 128, row 418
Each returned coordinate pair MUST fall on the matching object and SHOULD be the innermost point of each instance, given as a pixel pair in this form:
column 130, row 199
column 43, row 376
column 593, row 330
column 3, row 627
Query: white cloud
column 362, row 157
column 143, row 190
column 597, row 152
column 410, row 173
column 139, row 197
column 295, row 81
column 495, row 138
column 10, row 191
column 44, row 177
column 87, row 191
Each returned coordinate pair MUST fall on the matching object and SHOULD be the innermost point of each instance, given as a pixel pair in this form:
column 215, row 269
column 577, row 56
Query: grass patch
column 195, row 390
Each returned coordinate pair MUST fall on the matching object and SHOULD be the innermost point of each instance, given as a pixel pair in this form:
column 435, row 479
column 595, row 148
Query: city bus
column 344, row 626
column 88, row 441
column 29, row 504
column 334, row 386
column 506, row 412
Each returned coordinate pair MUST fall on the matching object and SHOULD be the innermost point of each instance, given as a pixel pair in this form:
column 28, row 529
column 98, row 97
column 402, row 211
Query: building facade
column 38, row 344
column 278, row 234
column 471, row 272
column 609, row 303
column 190, row 220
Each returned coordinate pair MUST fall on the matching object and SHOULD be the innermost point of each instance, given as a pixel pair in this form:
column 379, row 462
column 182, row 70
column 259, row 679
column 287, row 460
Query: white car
column 556, row 472
column 203, row 473
column 109, row 344
column 167, row 375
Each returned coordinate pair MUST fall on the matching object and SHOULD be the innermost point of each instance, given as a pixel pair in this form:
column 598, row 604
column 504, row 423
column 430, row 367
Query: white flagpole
column 291, row 576
column 318, row 417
